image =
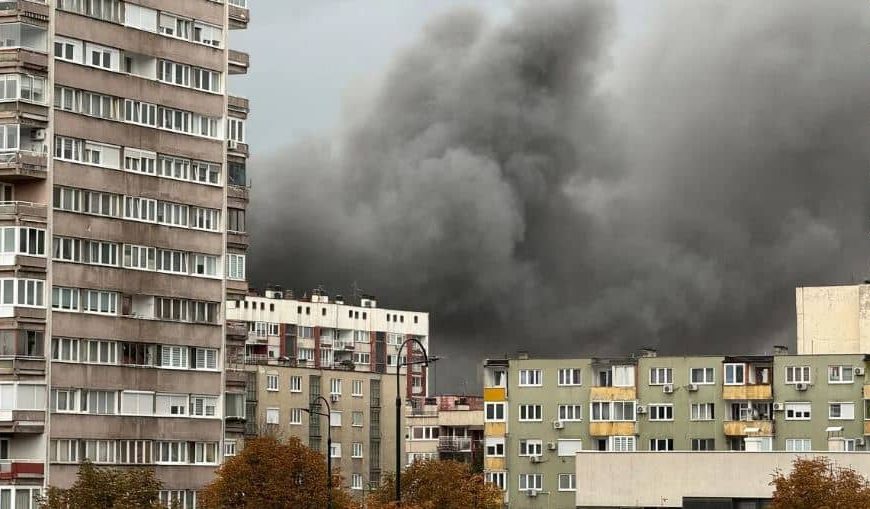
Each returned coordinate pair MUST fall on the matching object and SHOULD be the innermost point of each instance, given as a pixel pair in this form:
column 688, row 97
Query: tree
column 271, row 474
column 818, row 483
column 433, row 484
column 111, row 488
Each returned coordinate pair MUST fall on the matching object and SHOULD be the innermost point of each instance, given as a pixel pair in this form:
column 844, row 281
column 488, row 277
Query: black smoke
column 556, row 184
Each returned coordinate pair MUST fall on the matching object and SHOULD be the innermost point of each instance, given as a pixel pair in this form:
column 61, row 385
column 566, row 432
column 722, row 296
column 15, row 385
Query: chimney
column 780, row 350
column 522, row 355
column 648, row 352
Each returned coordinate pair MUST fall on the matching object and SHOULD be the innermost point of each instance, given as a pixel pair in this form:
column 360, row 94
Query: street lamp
column 399, row 364
column 328, row 416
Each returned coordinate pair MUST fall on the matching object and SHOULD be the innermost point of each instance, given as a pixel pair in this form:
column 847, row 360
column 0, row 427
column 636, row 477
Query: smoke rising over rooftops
column 551, row 184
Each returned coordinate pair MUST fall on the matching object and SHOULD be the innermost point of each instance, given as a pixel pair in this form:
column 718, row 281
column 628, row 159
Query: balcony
column 747, row 392
column 238, row 104
column 237, row 329
column 237, row 148
column 239, row 17
column 454, row 444
column 613, row 393
column 236, row 288
column 22, row 10
column 241, row 194
column 22, row 421
column 22, row 59
column 237, row 240
column 236, row 378
column 23, row 166
column 22, row 366
column 21, row 469
column 23, row 212
column 748, row 428
column 238, row 62
column 609, row 429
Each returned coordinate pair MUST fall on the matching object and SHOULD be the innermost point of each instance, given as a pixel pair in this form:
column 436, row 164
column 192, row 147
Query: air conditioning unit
column 334, row 398
column 668, row 388
column 859, row 442
column 641, row 409
column 692, row 387
column 232, row 144
column 532, row 493
column 534, row 459
column 859, row 371
column 777, row 406
column 38, row 134
column 802, row 386
column 557, row 424
column 551, row 446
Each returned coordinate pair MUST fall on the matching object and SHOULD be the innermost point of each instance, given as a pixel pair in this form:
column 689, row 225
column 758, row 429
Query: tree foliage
column 433, row 484
column 270, row 474
column 110, row 488
column 818, row 483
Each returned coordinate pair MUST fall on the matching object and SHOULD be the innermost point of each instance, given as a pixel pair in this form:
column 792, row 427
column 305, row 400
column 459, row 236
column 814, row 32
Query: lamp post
column 328, row 416
column 399, row 364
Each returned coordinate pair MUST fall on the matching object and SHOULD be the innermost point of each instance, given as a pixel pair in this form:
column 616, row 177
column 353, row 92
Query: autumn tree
column 818, row 483
column 433, row 484
column 273, row 474
column 110, row 488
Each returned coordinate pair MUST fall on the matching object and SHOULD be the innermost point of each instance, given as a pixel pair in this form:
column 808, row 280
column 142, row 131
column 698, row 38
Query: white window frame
column 798, row 411
column 530, row 378
column 843, row 415
column 530, row 413
column 660, row 412
column 530, row 447
column 569, row 412
column 798, row 375
column 272, row 382
column 570, row 377
column 704, row 371
column 734, row 368
column 571, row 482
column 837, row 374
column 661, row 376
column 533, row 482
column 798, row 444
column 497, row 407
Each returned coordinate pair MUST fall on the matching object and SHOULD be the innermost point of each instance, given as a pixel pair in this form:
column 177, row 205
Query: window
column 361, row 358
column 206, row 173
column 171, row 404
column 234, row 405
column 357, row 388
column 295, row 416
column 495, row 412
column 357, row 450
column 569, row 447
column 65, row 49
column 28, row 241
column 530, row 412
column 567, row 482
column 702, row 376
column 204, row 79
column 172, row 214
column 103, row 402
column 495, row 447
column 236, row 223
column 530, row 377
column 613, row 410
column 229, row 448
column 204, row 265
column 236, row 130
column 139, row 257
column 99, row 352
column 271, row 382
column 356, row 480
column 236, row 266
column 841, row 411
column 335, row 452
column 204, row 219
column 203, row 406
column 623, row 376
column 296, row 383
column 143, row 18
column 623, row 444
column 533, row 482
column 497, row 478
column 702, row 412
column 205, row 453
column 107, row 10
column 570, row 412
column 531, row 447
column 335, row 386
column 9, row 140
column 137, row 403
column 797, row 374
column 100, row 451
column 703, row 444
column 424, row 433
column 205, row 358
column 170, row 452
column 798, row 444
column 661, row 412
column 661, row 376
column 64, row 400
column 798, row 411
column 173, row 357
column 357, row 419
column 22, row 292
column 140, row 209
column 64, row 451
column 841, row 374
column 272, row 416
column 135, row 452
column 661, row 444
column 570, row 376
column 21, row 342
column 173, row 73
column 735, row 374
column 335, row 419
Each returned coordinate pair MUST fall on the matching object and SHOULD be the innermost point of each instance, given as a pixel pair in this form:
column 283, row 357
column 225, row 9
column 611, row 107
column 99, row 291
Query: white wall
column 833, row 319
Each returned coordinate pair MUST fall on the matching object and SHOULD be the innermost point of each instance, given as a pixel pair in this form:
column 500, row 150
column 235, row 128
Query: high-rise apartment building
column 446, row 427
column 539, row 413
column 283, row 353
column 123, row 196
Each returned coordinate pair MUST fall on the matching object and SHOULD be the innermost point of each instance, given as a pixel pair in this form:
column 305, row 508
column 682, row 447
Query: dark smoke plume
column 556, row 185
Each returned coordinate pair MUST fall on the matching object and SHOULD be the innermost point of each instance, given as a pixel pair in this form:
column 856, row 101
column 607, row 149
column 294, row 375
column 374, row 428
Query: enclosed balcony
column 239, row 15
column 761, row 428
column 238, row 62
column 15, row 470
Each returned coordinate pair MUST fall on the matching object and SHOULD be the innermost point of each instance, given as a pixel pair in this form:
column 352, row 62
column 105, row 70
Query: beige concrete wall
column 833, row 319
column 657, row 479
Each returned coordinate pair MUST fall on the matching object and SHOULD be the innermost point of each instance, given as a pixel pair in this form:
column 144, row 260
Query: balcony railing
column 19, row 469
column 454, row 444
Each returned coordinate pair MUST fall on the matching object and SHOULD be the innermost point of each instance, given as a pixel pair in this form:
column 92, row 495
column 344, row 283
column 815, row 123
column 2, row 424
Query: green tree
column 817, row 483
column 433, row 484
column 107, row 488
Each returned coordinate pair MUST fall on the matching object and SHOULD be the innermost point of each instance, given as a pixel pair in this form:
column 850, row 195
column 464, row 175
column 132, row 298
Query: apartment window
column 702, row 376
column 203, row 406
column 703, row 444
column 335, row 452
column 570, row 376
column 204, row 79
column 174, row 26
column 357, row 419
column 295, row 384
column 272, row 416
column 177, row 498
column 173, row 357
column 357, row 388
column 99, row 352
column 797, row 374
column 107, row 10
column 27, row 241
column 171, row 309
column 798, row 411
column 295, row 416
column 171, row 404
column 205, row 358
column 361, row 358
column 143, row 18
column 533, row 482
column 236, row 223
column 530, row 412
column 356, row 480
column 424, row 433
column 702, row 412
column 530, row 377
column 661, row 376
column 335, row 386
column 531, row 447
column 623, row 444
column 497, row 478
column 735, row 374
column 236, row 266
column 64, row 451
column 236, row 130
column 22, row 292
column 234, row 405
column 569, row 447
column 841, row 374
column 204, row 219
column 305, row 354
column 613, row 410
column 841, row 411
column 140, row 209
column 206, row 173
column 173, row 167
column 64, row 400
column 137, row 403
column 661, row 444
column 204, row 265
column 139, row 257
column 100, row 451
column 67, row 49
column 357, row 450
column 495, row 412
column 23, row 342
column 570, row 412
column 205, row 453
column 134, row 452
column 495, row 447
column 172, row 214
column 798, row 444
column 101, row 402
column 138, row 112
column 173, row 73
column 170, row 452
column 567, row 482
column 271, row 382
column 335, row 419
column 106, row 58
column 661, row 412
column 229, row 448
column 9, row 137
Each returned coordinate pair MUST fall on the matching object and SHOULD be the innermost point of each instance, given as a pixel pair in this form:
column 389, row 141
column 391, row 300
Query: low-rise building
column 446, row 427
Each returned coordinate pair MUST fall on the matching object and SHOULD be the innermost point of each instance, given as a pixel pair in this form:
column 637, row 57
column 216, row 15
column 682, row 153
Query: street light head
column 306, row 410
